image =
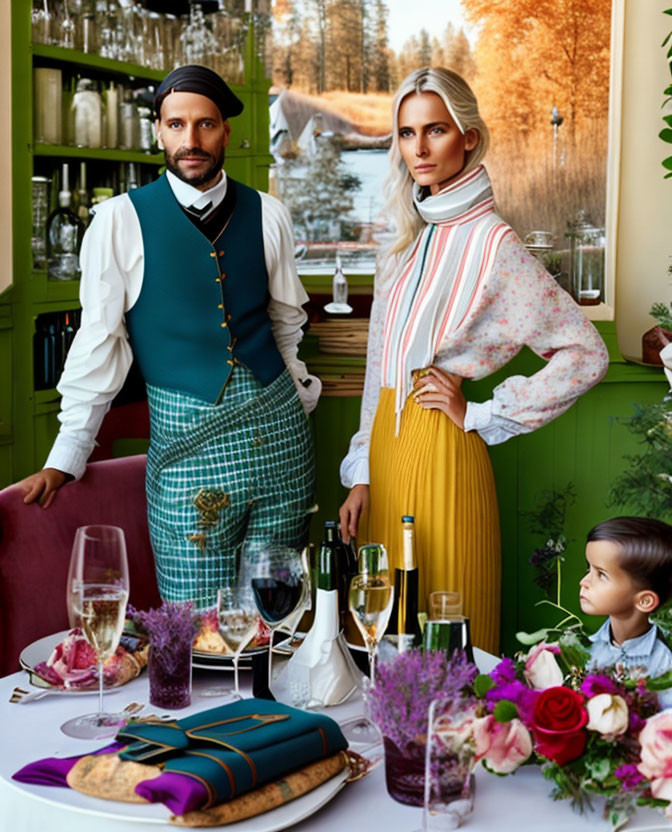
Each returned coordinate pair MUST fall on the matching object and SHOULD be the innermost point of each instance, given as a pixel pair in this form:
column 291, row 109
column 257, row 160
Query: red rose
column 557, row 724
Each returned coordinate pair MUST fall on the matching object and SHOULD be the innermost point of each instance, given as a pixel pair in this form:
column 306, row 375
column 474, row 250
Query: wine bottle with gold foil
column 404, row 618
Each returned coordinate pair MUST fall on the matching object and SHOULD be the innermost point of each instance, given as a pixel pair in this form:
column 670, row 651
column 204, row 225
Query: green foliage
column 528, row 639
column 505, row 711
column 482, row 684
column 548, row 519
column 646, row 486
column 573, row 649
column 666, row 133
column 662, row 313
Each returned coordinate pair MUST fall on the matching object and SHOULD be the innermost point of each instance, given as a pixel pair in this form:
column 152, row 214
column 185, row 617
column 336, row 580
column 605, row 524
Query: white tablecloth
column 517, row 803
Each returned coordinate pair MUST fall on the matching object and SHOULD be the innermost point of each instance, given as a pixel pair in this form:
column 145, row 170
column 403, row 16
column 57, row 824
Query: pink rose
column 656, row 741
column 503, row 745
column 541, row 669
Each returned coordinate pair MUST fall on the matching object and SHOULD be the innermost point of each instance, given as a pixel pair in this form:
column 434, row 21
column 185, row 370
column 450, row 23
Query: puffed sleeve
column 524, row 306
column 100, row 356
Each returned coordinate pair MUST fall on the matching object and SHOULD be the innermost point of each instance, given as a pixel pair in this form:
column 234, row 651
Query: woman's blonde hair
column 461, row 102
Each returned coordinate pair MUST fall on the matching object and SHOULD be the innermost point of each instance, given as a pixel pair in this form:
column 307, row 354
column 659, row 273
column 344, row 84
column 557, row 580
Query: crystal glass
column 449, row 763
column 370, row 602
column 198, row 41
column 66, row 27
column 97, row 594
column 279, row 585
column 42, row 21
column 238, row 625
column 444, row 605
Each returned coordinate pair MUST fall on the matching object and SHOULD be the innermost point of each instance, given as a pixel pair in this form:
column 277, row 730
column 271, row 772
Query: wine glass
column 370, row 601
column 97, row 590
column 238, row 625
column 279, row 585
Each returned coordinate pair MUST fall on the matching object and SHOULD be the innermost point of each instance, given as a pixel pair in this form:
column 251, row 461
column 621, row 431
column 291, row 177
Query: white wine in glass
column 370, row 601
column 238, row 625
column 97, row 594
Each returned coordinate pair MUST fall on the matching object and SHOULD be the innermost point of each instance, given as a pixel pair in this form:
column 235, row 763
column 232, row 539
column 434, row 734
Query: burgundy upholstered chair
column 35, row 545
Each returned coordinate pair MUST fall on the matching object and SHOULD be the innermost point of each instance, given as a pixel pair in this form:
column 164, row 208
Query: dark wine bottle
column 404, row 617
column 347, row 569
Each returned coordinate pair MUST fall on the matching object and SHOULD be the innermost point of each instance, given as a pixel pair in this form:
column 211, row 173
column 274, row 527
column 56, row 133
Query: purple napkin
column 178, row 792
column 52, row 771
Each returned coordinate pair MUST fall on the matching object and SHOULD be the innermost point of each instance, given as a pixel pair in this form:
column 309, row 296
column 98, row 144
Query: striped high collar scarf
column 437, row 285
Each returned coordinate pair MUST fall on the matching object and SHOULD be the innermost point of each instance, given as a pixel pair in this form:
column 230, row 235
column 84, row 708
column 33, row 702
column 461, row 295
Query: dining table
column 515, row 803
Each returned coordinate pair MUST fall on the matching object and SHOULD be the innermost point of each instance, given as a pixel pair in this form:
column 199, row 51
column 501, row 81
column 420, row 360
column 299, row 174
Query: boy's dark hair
column 646, row 550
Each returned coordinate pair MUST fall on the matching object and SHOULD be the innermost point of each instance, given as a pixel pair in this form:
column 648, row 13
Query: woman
column 456, row 296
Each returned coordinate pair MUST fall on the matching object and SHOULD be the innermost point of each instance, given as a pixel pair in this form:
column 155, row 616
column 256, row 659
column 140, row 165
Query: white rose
column 541, row 669
column 607, row 714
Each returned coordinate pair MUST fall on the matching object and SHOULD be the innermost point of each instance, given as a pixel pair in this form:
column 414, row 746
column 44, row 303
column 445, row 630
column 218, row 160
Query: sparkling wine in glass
column 370, row 601
column 97, row 594
column 238, row 625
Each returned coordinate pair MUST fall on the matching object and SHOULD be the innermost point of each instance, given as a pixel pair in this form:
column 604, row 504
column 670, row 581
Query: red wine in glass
column 276, row 599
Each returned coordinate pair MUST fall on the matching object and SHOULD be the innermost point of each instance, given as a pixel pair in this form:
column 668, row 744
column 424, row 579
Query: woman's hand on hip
column 439, row 390
column 357, row 501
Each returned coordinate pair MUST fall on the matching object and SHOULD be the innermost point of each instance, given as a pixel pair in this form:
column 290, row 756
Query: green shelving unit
column 28, row 422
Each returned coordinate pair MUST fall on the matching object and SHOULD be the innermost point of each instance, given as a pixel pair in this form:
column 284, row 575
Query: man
column 194, row 275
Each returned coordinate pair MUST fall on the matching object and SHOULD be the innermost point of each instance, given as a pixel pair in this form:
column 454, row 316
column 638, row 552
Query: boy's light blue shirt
column 647, row 651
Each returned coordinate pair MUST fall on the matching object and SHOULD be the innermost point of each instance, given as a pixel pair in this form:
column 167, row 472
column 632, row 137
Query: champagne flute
column 98, row 587
column 238, row 625
column 275, row 573
column 370, row 601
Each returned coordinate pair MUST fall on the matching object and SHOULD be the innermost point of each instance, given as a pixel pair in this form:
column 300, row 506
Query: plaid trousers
column 218, row 475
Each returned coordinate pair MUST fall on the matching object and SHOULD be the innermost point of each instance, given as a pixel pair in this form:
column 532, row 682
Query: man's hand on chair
column 42, row 486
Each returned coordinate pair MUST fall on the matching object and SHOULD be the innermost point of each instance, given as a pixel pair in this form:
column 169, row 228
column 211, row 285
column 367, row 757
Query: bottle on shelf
column 83, row 207
column 44, row 355
column 131, row 181
column 88, row 112
column 64, row 236
column 404, row 618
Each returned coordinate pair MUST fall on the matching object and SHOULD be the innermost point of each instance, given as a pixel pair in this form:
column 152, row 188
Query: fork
column 23, row 697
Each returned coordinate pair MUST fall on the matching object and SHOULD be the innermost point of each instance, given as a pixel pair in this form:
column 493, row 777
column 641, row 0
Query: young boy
column 629, row 576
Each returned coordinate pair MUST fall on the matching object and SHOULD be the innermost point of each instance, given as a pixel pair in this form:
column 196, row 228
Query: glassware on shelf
column 86, row 37
column 40, row 203
column 64, row 236
column 66, row 27
column 48, row 95
column 42, row 20
column 586, row 259
column 129, row 127
column 87, row 108
column 111, row 109
column 198, row 41
column 146, row 129
column 97, row 593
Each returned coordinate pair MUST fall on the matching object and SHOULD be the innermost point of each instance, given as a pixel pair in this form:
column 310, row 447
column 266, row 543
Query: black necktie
column 200, row 213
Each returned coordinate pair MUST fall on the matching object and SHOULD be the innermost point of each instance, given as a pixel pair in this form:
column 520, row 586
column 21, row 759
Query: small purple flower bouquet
column 171, row 630
column 404, row 689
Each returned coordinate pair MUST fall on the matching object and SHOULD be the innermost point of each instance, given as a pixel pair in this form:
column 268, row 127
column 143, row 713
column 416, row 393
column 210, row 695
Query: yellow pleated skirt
column 442, row 476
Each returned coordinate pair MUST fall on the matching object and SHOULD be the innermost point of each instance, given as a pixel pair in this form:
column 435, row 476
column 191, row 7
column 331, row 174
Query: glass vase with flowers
column 399, row 704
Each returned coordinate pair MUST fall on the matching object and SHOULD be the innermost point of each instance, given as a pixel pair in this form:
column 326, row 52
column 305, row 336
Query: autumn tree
column 533, row 54
column 381, row 50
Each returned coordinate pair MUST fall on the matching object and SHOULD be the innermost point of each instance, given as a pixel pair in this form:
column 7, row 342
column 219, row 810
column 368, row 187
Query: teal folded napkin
column 237, row 747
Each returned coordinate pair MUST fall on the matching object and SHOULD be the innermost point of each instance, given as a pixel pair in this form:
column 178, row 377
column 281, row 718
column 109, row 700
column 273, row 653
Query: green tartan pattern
column 221, row 474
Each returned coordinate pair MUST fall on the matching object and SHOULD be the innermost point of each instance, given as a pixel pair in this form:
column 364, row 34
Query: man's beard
column 207, row 176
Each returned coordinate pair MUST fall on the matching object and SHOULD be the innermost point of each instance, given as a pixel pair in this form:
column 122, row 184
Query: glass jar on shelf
column 586, row 260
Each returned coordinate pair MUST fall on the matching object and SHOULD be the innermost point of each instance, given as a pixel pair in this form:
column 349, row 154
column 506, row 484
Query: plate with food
column 66, row 662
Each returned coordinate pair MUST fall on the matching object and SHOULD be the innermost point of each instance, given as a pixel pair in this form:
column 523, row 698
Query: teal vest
column 203, row 306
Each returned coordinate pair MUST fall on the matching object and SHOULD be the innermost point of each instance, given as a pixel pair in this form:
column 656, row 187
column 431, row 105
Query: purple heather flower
column 173, row 625
column 629, row 776
column 598, row 683
column 406, row 686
